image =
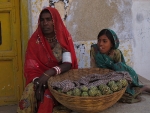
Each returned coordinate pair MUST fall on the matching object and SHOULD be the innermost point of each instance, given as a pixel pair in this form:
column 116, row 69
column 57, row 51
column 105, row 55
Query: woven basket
column 84, row 104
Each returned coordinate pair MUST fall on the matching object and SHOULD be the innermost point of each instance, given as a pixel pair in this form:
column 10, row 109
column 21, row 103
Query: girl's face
column 104, row 44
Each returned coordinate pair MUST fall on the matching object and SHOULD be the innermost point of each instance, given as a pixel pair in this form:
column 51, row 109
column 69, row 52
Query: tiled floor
column 141, row 107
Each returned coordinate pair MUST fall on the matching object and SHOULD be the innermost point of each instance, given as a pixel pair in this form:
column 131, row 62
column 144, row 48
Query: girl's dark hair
column 108, row 34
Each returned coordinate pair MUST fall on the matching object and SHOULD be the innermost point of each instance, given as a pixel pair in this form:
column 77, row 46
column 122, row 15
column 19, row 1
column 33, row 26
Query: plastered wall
column 85, row 18
column 35, row 6
column 141, row 32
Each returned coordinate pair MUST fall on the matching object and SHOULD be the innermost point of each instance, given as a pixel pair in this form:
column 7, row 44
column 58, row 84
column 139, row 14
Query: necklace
column 50, row 40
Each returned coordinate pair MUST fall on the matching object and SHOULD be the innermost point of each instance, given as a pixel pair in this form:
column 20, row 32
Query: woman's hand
column 41, row 82
column 40, row 85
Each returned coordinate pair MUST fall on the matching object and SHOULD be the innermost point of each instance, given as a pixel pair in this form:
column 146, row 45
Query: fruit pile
column 94, row 84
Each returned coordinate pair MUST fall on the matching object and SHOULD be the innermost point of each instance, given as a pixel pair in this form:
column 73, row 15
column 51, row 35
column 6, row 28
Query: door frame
column 24, row 18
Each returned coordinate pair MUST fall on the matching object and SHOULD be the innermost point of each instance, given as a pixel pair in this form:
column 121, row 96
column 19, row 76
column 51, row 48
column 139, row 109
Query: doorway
column 11, row 71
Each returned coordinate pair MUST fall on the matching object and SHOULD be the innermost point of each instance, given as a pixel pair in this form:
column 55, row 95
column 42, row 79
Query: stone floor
column 141, row 107
column 8, row 109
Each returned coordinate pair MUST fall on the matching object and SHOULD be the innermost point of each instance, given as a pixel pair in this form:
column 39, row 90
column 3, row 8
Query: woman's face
column 104, row 44
column 46, row 23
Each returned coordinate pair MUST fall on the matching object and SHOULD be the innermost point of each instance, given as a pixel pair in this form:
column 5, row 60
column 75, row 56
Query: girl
column 105, row 54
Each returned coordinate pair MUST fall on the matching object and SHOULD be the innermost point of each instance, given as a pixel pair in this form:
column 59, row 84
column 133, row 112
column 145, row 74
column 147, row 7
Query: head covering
column 115, row 37
column 39, row 56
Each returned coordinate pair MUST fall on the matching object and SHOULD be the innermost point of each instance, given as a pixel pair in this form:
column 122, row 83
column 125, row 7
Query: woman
column 50, row 52
column 105, row 54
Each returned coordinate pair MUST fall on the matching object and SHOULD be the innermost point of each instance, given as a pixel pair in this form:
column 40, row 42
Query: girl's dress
column 115, row 61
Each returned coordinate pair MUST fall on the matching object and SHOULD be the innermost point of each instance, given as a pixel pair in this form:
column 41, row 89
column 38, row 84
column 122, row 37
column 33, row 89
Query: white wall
column 141, row 42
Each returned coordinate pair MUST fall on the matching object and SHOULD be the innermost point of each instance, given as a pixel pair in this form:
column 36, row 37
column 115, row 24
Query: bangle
column 46, row 74
column 57, row 69
column 34, row 79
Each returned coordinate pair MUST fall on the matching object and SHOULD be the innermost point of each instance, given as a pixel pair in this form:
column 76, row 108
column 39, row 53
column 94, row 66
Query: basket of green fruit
column 89, row 90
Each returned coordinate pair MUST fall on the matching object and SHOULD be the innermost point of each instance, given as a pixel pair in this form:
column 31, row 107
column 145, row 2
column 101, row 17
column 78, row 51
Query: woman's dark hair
column 44, row 11
column 108, row 34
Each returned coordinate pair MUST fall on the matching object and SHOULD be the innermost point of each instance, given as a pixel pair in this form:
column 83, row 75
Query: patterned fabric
column 58, row 51
column 65, row 85
column 91, row 80
column 114, row 55
column 28, row 103
column 115, row 61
